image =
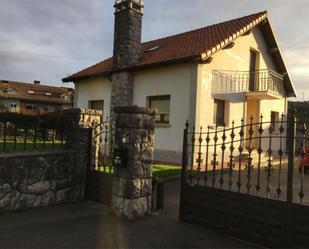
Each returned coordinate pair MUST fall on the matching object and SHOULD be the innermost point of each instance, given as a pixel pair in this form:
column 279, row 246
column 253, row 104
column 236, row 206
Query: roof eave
column 291, row 92
column 133, row 68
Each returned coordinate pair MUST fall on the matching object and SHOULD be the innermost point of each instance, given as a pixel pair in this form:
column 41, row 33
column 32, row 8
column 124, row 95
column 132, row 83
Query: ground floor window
column 219, row 112
column 163, row 105
column 13, row 105
column 96, row 105
column 274, row 120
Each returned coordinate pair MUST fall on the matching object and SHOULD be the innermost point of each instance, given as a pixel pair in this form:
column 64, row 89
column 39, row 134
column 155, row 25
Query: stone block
column 39, row 188
column 134, row 169
column 36, row 173
column 25, row 201
column 135, row 208
column 48, row 199
column 63, row 184
column 64, row 196
column 5, row 189
column 5, row 201
column 132, row 188
column 138, row 136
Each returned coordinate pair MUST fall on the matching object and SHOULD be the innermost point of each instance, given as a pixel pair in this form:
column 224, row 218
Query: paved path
column 89, row 225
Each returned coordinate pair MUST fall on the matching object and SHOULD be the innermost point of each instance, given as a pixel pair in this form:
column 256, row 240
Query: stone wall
column 132, row 184
column 39, row 180
column 31, row 180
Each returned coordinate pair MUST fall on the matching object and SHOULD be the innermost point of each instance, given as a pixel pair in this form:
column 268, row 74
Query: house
column 34, row 99
column 210, row 76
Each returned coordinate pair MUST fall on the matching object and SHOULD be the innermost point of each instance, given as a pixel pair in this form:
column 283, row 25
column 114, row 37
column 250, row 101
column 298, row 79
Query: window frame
column 222, row 122
column 274, row 119
column 90, row 102
column 150, row 99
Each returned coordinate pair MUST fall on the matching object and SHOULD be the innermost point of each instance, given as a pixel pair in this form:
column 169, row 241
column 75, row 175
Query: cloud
column 84, row 29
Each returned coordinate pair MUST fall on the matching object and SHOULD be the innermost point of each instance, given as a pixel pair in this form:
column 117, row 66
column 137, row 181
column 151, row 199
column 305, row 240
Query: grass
column 160, row 171
column 39, row 146
column 163, row 171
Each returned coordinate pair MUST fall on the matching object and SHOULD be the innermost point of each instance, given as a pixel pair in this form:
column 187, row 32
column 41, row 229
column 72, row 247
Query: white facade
column 192, row 96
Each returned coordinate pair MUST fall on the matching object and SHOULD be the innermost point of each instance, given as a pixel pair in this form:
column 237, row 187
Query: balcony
column 261, row 84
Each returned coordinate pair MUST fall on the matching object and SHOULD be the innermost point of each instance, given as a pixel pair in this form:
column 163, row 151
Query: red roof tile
column 185, row 46
column 36, row 92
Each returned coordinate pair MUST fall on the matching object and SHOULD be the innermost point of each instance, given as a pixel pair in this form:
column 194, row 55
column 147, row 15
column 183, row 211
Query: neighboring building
column 33, row 99
column 209, row 76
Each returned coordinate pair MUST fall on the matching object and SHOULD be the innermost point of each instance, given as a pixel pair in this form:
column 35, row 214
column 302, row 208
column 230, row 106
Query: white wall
column 235, row 59
column 177, row 81
column 93, row 89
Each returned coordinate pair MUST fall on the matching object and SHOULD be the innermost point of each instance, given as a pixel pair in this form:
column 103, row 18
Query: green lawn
column 160, row 171
column 163, row 171
column 39, row 146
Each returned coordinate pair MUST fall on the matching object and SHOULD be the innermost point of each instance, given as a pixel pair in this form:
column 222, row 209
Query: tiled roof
column 35, row 92
column 182, row 47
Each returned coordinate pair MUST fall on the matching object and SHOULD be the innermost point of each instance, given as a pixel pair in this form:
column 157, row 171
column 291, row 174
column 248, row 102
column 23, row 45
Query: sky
column 49, row 40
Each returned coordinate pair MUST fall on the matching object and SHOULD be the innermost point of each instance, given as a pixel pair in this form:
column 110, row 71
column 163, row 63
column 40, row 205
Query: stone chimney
column 128, row 32
column 127, row 49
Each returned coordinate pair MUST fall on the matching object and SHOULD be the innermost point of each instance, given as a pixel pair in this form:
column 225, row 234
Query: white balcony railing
column 240, row 81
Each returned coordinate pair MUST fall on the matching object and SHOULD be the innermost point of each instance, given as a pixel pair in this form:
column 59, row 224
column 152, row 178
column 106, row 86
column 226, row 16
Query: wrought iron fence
column 238, row 81
column 258, row 158
column 102, row 147
column 22, row 137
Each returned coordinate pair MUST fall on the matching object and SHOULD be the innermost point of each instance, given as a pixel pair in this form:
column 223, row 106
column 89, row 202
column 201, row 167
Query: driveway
column 90, row 225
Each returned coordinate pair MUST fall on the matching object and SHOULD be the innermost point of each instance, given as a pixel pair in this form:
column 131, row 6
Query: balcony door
column 254, row 67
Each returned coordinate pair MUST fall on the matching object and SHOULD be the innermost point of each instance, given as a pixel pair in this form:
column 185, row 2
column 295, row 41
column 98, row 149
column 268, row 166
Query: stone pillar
column 132, row 184
column 122, row 89
column 79, row 123
column 127, row 50
column 128, row 33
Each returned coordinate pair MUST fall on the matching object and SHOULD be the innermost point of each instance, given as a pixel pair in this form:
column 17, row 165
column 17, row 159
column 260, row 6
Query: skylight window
column 153, row 48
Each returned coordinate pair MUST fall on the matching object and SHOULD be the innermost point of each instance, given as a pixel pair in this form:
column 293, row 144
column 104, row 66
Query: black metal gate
column 100, row 169
column 249, row 181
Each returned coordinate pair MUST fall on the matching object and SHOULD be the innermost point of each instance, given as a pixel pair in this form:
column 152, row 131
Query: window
column 13, row 105
column 51, row 108
column 96, row 105
column 162, row 104
column 254, row 66
column 274, row 120
column 219, row 112
column 32, row 107
column 13, row 91
column 30, row 91
column 48, row 94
